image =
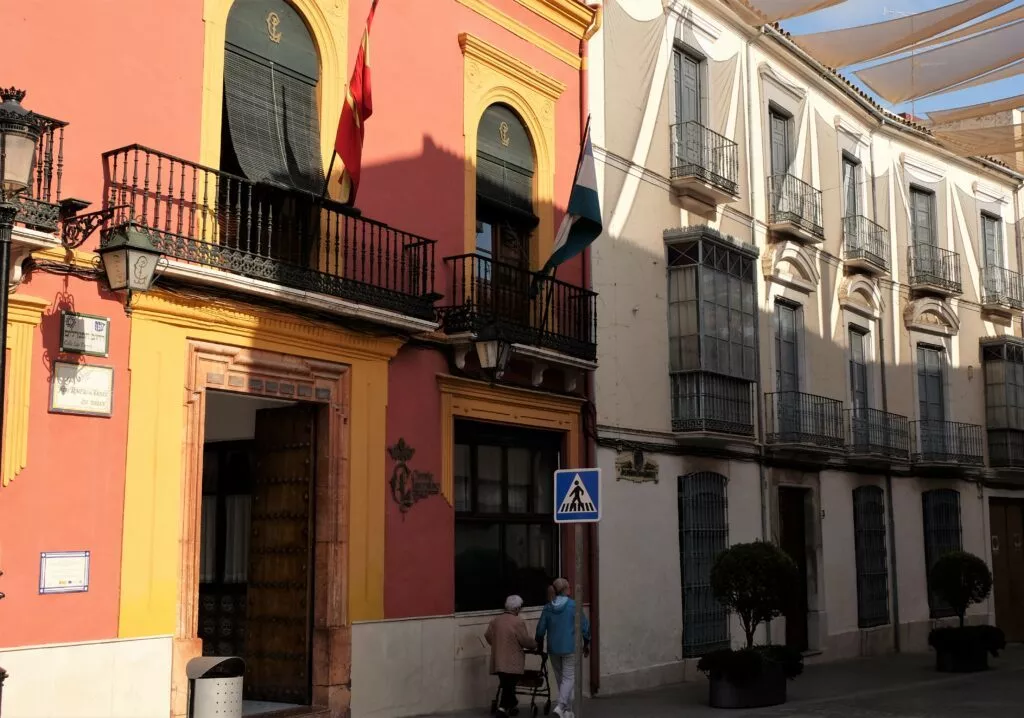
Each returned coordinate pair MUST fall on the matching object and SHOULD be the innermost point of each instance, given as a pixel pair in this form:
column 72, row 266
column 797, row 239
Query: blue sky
column 864, row 12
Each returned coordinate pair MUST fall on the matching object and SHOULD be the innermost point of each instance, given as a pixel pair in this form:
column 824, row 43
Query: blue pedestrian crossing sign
column 577, row 496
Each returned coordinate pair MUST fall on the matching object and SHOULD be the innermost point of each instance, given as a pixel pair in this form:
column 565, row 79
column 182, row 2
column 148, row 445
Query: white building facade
column 810, row 330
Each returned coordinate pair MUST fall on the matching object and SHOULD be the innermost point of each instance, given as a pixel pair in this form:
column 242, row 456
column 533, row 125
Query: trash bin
column 215, row 687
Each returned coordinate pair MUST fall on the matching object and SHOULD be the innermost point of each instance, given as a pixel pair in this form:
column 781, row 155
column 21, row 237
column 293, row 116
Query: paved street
column 905, row 686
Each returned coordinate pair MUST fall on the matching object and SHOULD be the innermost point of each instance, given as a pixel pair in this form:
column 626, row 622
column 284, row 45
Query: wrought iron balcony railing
column 793, row 201
column 524, row 307
column 39, row 206
column 280, row 235
column 797, row 418
column 947, row 442
column 872, row 432
column 1002, row 287
column 935, row 268
column 704, row 402
column 702, row 153
column 865, row 242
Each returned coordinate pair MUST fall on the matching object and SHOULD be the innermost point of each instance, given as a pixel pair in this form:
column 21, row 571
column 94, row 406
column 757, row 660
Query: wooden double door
column 1006, row 519
column 256, row 560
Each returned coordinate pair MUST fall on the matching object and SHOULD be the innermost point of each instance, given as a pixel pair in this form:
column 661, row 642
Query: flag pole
column 327, row 179
column 554, row 272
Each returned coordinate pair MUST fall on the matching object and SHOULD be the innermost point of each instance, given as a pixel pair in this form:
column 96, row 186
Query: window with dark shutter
column 271, row 126
column 505, row 165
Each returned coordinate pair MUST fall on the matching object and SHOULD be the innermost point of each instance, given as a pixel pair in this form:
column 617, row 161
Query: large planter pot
column 767, row 689
column 963, row 660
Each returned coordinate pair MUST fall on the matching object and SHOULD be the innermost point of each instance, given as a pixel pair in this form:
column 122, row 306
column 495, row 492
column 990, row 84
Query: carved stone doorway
column 320, row 390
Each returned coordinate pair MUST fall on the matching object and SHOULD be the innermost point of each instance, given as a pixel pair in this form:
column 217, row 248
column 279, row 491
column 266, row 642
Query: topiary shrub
column 961, row 579
column 756, row 581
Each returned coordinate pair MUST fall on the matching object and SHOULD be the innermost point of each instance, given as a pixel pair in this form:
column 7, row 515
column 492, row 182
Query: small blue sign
column 577, row 496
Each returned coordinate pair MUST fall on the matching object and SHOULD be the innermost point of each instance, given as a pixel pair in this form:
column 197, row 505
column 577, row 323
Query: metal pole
column 7, row 213
column 578, row 620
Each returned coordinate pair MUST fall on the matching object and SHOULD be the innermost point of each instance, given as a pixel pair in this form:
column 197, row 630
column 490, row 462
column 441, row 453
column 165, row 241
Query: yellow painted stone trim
column 162, row 327
column 24, row 313
column 482, row 402
column 78, row 258
column 327, row 21
column 524, row 32
column 493, row 76
column 234, row 321
column 569, row 15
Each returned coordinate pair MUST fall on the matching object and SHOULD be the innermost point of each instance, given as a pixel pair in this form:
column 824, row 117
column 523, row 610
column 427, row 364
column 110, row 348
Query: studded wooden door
column 277, row 652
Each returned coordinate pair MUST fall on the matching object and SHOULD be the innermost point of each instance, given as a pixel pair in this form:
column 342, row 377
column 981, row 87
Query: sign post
column 578, row 502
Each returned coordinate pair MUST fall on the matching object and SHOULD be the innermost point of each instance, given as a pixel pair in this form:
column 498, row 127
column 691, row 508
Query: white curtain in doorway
column 236, row 551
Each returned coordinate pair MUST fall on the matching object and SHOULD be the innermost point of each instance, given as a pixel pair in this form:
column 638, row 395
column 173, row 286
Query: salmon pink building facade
column 323, row 439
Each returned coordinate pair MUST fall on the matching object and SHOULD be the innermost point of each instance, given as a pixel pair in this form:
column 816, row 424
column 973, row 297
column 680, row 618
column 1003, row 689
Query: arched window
column 271, row 125
column 505, row 215
column 872, row 566
column 703, row 534
column 942, row 534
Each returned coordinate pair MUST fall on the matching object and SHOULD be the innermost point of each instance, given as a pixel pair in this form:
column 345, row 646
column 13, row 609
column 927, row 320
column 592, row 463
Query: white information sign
column 82, row 389
column 84, row 334
column 64, row 572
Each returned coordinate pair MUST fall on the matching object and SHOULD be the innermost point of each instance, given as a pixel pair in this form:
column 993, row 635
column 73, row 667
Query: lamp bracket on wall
column 77, row 228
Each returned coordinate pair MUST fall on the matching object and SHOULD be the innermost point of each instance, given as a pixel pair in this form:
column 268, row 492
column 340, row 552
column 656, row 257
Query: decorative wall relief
column 634, row 466
column 409, row 485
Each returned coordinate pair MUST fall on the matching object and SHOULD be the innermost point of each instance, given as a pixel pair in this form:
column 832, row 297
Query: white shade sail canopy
column 1005, row 140
column 1004, row 18
column 1003, row 73
column 971, row 112
column 838, row 48
column 781, row 9
column 929, row 72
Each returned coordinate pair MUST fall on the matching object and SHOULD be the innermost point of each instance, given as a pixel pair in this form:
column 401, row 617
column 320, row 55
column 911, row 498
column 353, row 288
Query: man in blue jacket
column 557, row 622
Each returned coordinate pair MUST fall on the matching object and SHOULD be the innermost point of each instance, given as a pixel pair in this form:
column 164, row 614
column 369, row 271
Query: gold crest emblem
column 503, row 135
column 273, row 21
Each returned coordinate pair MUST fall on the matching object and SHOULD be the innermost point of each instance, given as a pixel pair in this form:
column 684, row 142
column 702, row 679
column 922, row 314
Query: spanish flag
column 358, row 107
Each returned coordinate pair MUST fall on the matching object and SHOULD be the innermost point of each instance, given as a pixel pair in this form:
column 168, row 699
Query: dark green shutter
column 505, row 165
column 270, row 96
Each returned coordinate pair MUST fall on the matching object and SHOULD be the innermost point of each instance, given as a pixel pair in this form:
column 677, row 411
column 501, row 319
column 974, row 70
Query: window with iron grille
column 703, row 534
column 506, row 541
column 872, row 566
column 712, row 332
column 942, row 534
column 1003, row 359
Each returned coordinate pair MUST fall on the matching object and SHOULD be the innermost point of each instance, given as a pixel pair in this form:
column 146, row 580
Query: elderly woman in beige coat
column 508, row 638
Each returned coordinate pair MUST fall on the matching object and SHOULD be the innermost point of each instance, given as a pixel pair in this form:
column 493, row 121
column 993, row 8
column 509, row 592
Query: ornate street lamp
column 494, row 355
column 130, row 260
column 19, row 134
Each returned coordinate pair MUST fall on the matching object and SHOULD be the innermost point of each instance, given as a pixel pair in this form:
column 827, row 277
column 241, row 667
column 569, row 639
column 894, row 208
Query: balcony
column 39, row 206
column 706, row 404
column 947, row 443
column 804, row 421
column 877, row 436
column 865, row 245
column 487, row 298
column 705, row 167
column 273, row 237
column 1002, row 291
column 794, row 208
column 936, row 270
